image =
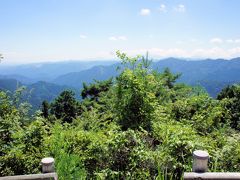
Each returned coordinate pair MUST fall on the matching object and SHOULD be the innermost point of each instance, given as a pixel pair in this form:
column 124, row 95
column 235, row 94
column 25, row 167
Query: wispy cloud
column 116, row 38
column 183, row 53
column 162, row 8
column 145, row 12
column 216, row 41
column 82, row 36
column 221, row 41
column 232, row 41
column 112, row 38
column 180, row 8
column 124, row 38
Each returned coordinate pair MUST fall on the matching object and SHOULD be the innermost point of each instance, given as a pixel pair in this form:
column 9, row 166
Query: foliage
column 169, row 78
column 65, row 106
column 141, row 125
column 20, row 139
column 9, row 122
column 232, row 95
column 204, row 113
column 45, row 109
column 93, row 90
column 27, row 149
column 135, row 93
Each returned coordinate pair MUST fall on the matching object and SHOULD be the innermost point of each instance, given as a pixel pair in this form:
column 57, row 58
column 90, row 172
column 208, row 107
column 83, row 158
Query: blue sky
column 55, row 30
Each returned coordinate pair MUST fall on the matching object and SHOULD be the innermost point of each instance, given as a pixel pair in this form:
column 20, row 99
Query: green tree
column 232, row 95
column 26, row 149
column 65, row 106
column 45, row 109
column 9, row 125
column 135, row 93
column 169, row 78
column 94, row 90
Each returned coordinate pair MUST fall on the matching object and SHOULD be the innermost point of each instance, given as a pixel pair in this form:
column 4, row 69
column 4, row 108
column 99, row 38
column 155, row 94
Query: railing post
column 200, row 161
column 47, row 165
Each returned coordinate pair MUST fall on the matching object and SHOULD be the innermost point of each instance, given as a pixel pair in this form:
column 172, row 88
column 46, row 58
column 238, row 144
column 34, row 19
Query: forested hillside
column 34, row 93
column 213, row 75
column 143, row 124
column 76, row 79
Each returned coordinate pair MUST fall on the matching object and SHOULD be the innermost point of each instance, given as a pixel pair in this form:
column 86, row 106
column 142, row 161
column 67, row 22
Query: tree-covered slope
column 213, row 75
column 41, row 91
column 34, row 93
column 9, row 84
column 21, row 78
column 208, row 70
column 76, row 79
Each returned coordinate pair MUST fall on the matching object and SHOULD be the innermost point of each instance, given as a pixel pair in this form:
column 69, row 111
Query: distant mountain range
column 213, row 75
column 76, row 79
column 30, row 73
column 46, row 81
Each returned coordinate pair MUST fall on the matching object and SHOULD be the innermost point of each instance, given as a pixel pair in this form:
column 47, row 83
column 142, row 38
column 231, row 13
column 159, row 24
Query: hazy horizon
column 4, row 63
column 62, row 30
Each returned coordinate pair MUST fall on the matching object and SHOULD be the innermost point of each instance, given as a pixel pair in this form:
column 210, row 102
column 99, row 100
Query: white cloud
column 216, row 41
column 124, row 38
column 180, row 8
column 112, row 38
column 162, row 8
column 233, row 41
column 237, row 40
column 82, row 36
column 145, row 12
column 235, row 51
column 230, row 41
column 182, row 53
column 116, row 38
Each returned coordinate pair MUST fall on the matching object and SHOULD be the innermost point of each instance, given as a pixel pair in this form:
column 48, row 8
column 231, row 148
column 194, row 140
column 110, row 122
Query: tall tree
column 135, row 93
column 45, row 109
column 65, row 106
column 169, row 78
column 93, row 91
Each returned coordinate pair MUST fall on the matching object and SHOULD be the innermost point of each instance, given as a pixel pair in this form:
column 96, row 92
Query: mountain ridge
column 35, row 93
column 219, row 71
column 213, row 74
column 48, row 71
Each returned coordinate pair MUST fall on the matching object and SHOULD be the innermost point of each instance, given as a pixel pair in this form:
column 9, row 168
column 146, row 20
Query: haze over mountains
column 47, row 80
column 30, row 73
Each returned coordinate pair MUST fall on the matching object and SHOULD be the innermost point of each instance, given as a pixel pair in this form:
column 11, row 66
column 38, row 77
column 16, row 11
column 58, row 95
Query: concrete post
column 47, row 165
column 200, row 161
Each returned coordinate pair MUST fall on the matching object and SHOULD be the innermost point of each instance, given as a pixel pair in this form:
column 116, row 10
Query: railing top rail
column 212, row 176
column 47, row 176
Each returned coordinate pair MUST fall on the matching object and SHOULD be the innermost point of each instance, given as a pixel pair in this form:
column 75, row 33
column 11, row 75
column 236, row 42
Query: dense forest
column 143, row 124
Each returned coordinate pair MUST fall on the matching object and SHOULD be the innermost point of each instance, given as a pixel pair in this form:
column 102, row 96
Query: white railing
column 200, row 168
column 47, row 169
